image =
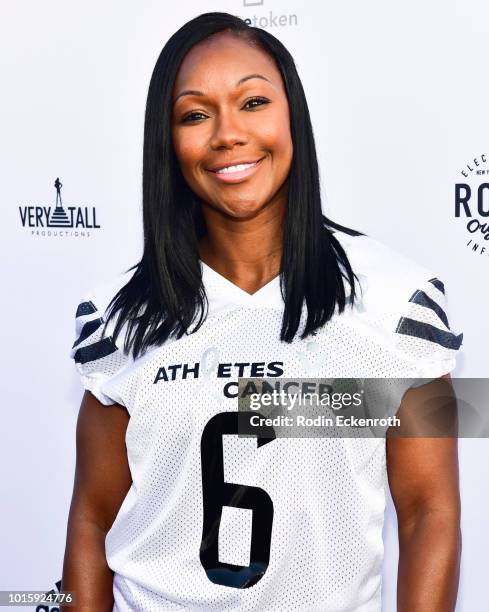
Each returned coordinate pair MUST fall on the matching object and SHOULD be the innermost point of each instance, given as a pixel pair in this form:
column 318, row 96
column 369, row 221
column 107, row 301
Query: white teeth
column 235, row 168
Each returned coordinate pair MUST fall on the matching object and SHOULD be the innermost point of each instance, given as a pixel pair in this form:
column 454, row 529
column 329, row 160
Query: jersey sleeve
column 423, row 332
column 97, row 357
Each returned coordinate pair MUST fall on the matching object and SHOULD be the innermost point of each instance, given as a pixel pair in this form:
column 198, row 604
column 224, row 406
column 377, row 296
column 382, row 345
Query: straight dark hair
column 165, row 295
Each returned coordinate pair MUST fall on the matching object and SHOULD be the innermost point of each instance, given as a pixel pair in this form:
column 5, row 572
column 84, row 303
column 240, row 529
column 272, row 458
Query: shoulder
column 407, row 300
column 97, row 356
column 100, row 294
column 388, row 278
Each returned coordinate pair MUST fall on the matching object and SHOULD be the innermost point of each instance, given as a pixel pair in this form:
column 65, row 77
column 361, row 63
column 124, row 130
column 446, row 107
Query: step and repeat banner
column 397, row 94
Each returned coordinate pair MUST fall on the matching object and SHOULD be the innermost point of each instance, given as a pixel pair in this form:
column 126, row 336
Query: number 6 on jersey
column 217, row 493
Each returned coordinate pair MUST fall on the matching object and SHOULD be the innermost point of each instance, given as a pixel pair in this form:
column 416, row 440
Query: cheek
column 282, row 154
column 277, row 137
column 285, row 144
column 185, row 154
column 187, row 151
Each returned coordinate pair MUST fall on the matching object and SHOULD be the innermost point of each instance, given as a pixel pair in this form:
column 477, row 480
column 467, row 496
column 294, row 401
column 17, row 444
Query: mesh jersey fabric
column 328, row 495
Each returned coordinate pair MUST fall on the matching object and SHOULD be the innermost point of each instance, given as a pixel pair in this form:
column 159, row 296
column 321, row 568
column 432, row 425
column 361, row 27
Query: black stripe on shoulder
column 94, row 351
column 87, row 330
column 438, row 284
column 421, row 298
column 85, row 308
column 425, row 331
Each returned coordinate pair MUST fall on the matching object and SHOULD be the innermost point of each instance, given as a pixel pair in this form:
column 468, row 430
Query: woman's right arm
column 102, row 480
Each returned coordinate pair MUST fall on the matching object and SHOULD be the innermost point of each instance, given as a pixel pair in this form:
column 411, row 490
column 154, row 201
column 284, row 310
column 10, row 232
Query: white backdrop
column 397, row 93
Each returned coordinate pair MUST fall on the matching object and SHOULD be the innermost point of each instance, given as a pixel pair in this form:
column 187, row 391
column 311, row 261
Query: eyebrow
column 194, row 92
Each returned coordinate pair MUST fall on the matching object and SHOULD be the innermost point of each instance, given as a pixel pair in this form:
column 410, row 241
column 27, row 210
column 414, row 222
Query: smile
column 233, row 174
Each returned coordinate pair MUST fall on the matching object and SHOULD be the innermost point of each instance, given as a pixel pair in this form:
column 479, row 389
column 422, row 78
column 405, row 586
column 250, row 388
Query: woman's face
column 223, row 116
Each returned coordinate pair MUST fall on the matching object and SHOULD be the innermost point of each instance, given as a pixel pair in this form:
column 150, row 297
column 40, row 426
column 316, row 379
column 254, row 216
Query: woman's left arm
column 424, row 484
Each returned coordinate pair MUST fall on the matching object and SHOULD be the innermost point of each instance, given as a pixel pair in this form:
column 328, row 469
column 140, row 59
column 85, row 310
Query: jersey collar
column 220, row 291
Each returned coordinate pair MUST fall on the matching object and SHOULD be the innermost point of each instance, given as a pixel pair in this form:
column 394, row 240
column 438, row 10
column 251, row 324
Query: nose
column 228, row 130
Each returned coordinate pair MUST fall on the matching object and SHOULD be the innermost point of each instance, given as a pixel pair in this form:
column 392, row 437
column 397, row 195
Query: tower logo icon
column 59, row 218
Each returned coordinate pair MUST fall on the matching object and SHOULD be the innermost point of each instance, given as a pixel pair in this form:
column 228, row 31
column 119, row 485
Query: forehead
column 221, row 60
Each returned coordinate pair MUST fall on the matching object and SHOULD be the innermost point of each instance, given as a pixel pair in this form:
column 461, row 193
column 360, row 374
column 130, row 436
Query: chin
column 242, row 211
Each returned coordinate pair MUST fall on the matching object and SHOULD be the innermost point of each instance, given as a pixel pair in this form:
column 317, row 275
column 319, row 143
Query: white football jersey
column 216, row 521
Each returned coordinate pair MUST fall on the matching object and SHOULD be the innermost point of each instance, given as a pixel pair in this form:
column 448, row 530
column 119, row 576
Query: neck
column 246, row 251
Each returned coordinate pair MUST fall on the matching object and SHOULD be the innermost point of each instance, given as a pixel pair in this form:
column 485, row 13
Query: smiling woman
column 241, row 274
column 226, row 115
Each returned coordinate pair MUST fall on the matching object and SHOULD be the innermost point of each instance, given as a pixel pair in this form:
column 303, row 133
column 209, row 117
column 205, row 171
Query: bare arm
column 102, row 479
column 423, row 478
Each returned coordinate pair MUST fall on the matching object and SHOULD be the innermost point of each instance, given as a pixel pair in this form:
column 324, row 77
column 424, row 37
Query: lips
column 233, row 177
column 217, row 167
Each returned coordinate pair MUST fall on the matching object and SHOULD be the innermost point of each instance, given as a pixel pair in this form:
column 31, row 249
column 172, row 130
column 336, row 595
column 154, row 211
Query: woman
column 171, row 509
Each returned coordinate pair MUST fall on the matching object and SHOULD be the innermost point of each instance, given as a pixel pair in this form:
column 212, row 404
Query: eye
column 261, row 101
column 188, row 118
column 258, row 99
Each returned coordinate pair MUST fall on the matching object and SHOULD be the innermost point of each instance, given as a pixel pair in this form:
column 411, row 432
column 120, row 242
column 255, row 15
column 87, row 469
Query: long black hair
column 165, row 295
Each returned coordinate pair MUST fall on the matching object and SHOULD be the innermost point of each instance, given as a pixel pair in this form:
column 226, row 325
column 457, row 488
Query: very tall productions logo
column 268, row 19
column 58, row 220
column 472, row 204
